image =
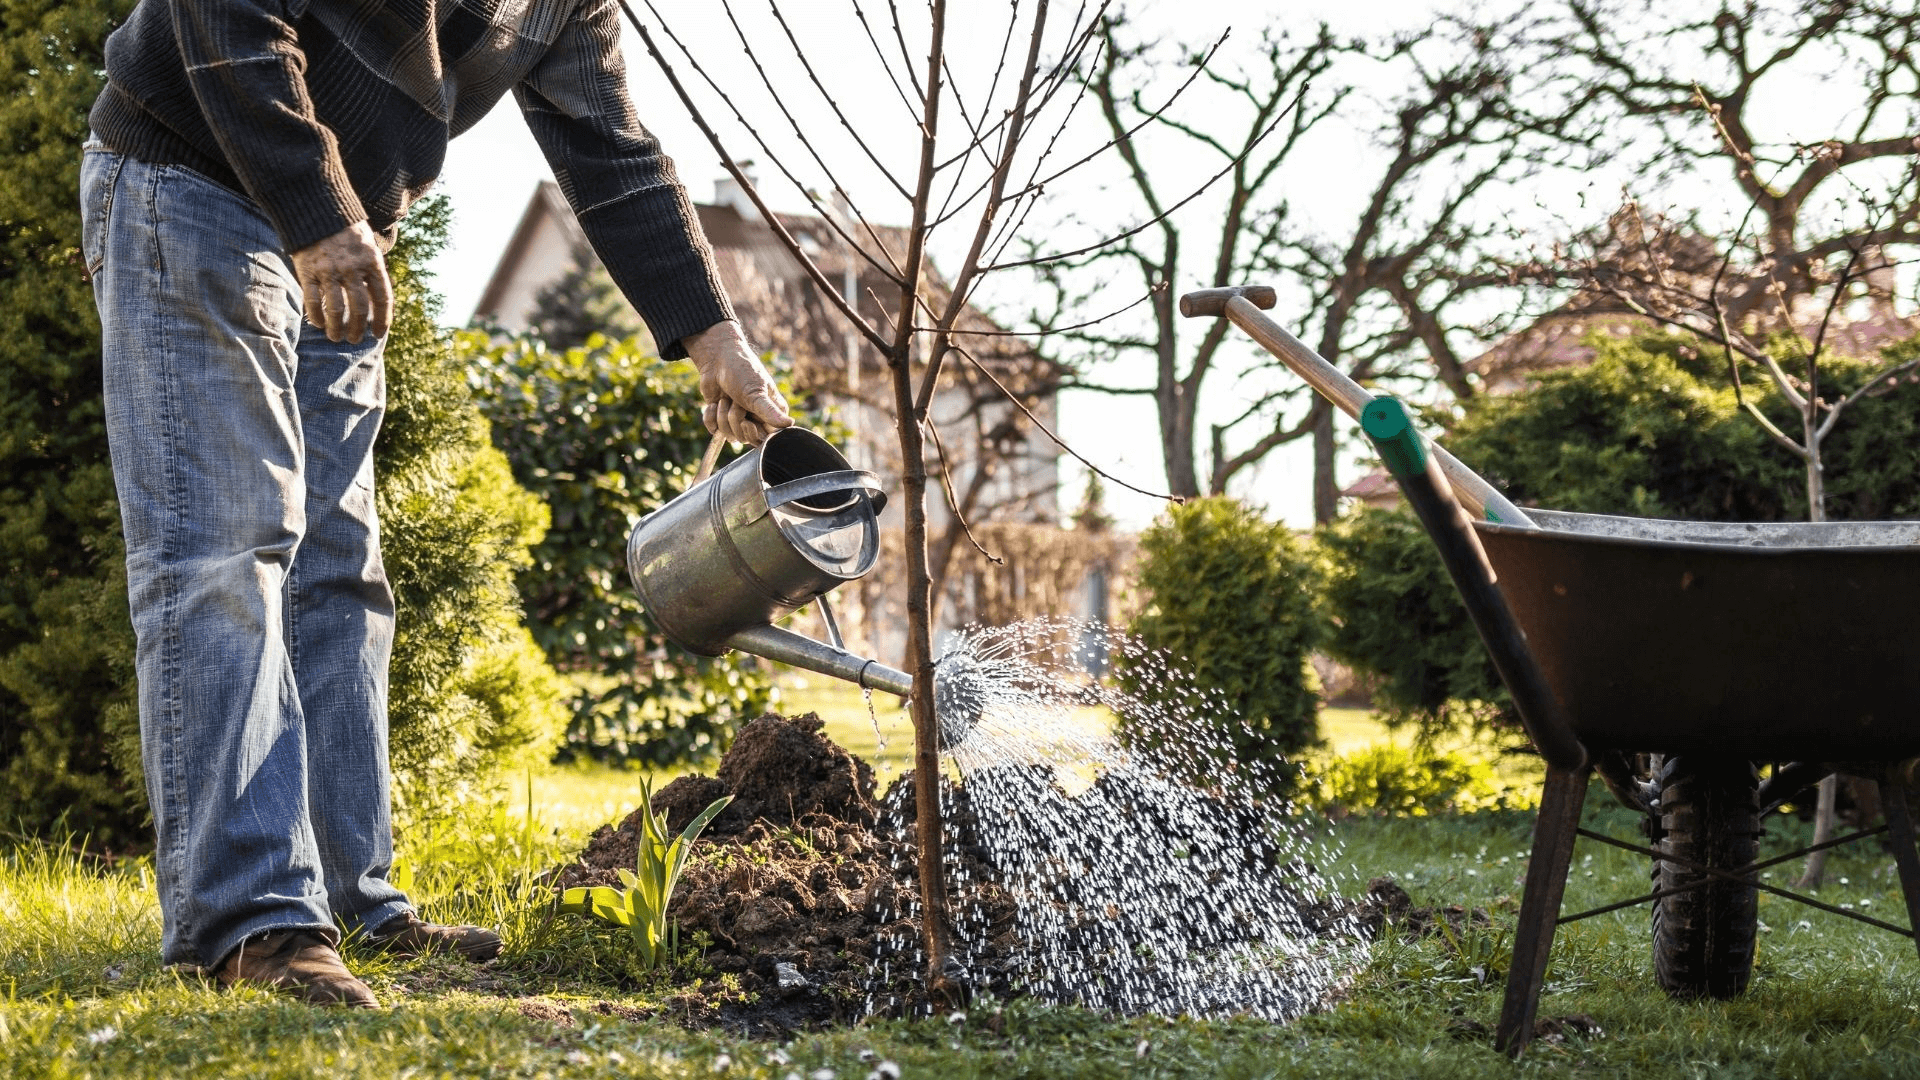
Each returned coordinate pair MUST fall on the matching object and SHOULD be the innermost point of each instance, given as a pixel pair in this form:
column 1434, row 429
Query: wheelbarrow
column 1675, row 659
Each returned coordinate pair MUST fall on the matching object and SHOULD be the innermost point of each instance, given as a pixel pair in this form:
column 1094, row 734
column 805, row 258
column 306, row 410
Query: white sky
column 492, row 170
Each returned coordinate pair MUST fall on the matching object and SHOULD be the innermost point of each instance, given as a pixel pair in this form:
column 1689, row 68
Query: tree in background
column 1231, row 595
column 583, row 302
column 606, row 433
column 1831, row 203
column 1376, row 288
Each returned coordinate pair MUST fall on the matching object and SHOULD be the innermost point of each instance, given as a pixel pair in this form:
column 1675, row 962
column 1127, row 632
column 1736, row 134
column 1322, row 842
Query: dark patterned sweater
column 329, row 112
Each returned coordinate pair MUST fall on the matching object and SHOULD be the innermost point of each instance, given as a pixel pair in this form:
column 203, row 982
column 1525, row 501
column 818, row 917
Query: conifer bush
column 1228, row 596
column 68, row 731
column 1649, row 429
column 471, row 695
column 470, row 691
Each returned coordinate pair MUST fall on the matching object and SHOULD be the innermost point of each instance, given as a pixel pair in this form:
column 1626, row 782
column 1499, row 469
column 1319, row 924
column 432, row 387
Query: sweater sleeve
column 244, row 63
column 621, row 187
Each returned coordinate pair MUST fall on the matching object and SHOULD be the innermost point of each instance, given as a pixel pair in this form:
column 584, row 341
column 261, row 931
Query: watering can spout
column 958, row 691
column 787, row 647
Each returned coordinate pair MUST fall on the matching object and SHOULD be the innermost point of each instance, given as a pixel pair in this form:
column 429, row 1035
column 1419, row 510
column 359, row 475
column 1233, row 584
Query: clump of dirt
column 800, row 884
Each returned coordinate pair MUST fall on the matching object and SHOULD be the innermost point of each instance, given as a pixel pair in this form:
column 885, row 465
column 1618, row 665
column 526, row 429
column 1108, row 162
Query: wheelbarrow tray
column 1791, row 641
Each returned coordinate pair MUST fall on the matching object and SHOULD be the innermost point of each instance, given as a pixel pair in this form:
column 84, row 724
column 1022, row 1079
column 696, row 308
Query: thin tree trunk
column 1326, row 486
column 1824, row 808
column 935, row 934
column 1823, row 820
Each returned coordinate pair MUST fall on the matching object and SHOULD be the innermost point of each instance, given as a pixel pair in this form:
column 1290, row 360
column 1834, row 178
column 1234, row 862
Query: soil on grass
column 799, row 885
column 804, row 888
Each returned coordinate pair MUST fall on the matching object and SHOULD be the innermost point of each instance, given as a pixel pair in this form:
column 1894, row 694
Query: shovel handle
column 1386, row 422
column 1241, row 304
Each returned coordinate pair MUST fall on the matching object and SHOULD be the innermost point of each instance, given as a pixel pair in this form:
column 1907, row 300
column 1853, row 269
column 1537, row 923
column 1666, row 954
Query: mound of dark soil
column 799, row 884
column 805, row 886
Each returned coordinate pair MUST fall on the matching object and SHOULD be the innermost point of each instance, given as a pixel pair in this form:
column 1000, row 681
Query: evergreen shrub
column 68, row 730
column 1228, row 598
column 471, row 696
column 1651, row 428
column 470, row 693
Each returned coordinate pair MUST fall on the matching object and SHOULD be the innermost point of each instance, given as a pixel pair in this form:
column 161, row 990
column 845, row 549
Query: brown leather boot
column 298, row 963
column 408, row 935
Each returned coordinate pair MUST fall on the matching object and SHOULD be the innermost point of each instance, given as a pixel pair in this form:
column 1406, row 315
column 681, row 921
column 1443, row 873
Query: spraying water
column 1156, row 875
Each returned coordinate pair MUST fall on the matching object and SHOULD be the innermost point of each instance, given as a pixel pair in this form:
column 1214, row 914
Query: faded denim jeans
column 242, row 444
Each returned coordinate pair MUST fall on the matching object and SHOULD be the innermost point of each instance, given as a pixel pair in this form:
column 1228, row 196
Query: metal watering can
column 778, row 528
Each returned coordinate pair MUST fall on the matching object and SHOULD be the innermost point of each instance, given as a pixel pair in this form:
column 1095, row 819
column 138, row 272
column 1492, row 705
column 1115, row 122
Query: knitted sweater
column 330, row 112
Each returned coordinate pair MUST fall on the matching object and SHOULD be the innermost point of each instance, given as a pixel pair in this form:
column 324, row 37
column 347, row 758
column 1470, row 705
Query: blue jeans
column 242, row 443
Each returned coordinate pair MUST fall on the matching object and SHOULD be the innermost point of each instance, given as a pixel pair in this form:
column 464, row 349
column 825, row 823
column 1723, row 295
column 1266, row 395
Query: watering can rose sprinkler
column 776, row 529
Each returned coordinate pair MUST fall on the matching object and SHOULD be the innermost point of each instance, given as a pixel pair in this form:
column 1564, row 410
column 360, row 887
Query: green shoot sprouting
column 642, row 906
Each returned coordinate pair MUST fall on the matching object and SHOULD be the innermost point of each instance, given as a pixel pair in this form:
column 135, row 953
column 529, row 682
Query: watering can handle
column 820, row 484
column 711, row 457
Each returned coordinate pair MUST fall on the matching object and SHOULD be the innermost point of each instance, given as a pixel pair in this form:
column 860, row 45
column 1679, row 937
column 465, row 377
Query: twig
column 953, row 502
column 885, row 64
column 970, row 266
column 1057, row 440
column 806, row 64
column 820, row 281
column 1150, row 222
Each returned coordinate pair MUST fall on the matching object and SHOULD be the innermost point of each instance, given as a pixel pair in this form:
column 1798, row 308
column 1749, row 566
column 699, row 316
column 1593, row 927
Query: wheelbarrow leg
column 1553, row 835
column 1893, row 797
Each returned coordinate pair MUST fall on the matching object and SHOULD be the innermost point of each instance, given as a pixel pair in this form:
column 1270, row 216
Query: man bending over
column 249, row 161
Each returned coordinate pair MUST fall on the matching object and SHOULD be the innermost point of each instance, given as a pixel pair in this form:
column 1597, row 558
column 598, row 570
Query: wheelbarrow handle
column 1386, row 422
column 1242, row 303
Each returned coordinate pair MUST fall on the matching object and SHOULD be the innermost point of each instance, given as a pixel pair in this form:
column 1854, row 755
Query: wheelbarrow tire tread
column 1703, row 939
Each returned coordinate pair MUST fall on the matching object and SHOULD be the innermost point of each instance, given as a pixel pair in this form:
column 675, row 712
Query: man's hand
column 742, row 402
column 344, row 278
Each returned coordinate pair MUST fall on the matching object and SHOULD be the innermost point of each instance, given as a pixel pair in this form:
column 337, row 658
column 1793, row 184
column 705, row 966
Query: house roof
column 1686, row 261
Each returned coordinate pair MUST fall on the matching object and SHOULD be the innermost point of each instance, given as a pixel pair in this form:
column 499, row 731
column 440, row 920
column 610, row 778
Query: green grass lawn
column 85, row 996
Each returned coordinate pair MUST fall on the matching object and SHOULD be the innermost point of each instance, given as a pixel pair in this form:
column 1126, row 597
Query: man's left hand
column 742, row 401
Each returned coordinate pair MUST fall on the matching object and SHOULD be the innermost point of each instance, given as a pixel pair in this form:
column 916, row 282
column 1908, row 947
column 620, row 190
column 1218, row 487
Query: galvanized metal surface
column 750, row 544
column 787, row 647
column 1774, row 641
column 1783, row 534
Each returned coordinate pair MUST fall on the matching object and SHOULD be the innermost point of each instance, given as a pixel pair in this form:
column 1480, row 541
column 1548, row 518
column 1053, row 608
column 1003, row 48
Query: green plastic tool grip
column 1386, row 422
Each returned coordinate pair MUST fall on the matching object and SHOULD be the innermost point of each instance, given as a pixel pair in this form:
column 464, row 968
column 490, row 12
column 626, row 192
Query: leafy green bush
column 606, row 433
column 1392, row 614
column 1389, row 780
column 1649, row 429
column 1230, row 596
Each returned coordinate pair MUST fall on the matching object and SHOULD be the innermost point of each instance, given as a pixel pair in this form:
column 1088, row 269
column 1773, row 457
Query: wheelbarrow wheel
column 1703, row 937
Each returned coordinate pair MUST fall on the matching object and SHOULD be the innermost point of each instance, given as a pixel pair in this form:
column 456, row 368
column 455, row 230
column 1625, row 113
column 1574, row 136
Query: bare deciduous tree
column 1375, row 291
column 982, row 151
